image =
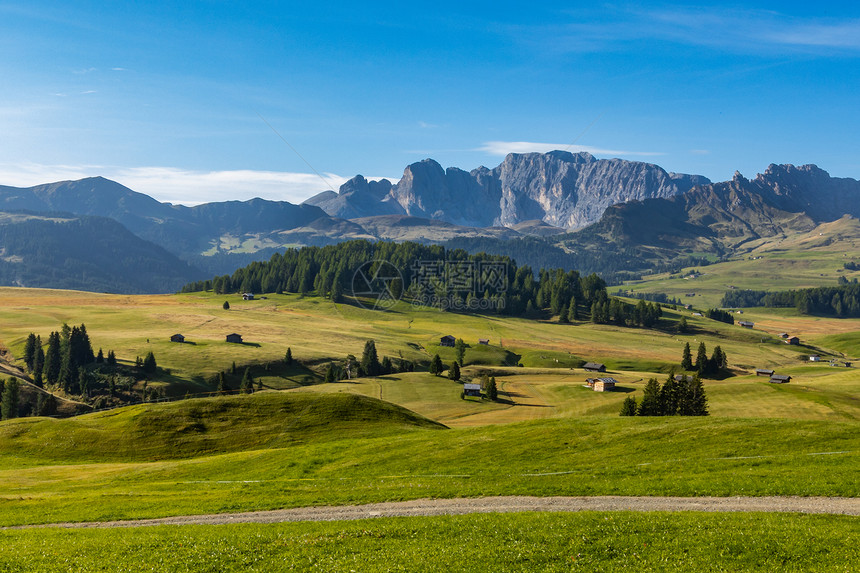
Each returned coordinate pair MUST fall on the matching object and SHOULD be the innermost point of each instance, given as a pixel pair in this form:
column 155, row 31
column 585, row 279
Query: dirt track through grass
column 502, row 504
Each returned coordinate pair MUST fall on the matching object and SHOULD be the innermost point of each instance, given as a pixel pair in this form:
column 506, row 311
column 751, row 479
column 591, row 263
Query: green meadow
column 492, row 543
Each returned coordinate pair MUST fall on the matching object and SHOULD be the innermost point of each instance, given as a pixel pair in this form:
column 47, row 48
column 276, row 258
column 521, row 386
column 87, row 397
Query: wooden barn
column 484, row 341
column 247, row 296
column 763, row 372
column 793, row 340
column 177, row 338
column 746, row 323
column 447, row 340
column 604, row 384
column 472, row 389
column 594, row 367
column 780, row 379
column 234, row 338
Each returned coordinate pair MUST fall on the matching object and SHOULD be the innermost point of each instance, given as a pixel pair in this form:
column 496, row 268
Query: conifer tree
column 436, row 366
column 288, row 357
column 149, row 364
column 701, row 359
column 628, row 407
column 370, row 359
column 454, row 371
column 52, row 359
column 226, row 305
column 460, row 347
column 492, row 389
column 650, row 404
column 222, row 384
column 387, row 367
column 687, row 358
column 330, row 374
column 9, row 403
column 669, row 395
column 30, row 351
column 100, row 357
column 247, row 385
column 571, row 310
column 111, row 358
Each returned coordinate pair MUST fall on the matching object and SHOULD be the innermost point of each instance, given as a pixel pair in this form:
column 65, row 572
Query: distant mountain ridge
column 605, row 215
column 562, row 189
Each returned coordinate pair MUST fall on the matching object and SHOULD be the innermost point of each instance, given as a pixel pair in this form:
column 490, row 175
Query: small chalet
column 746, row 323
column 177, row 338
column 447, row 340
column 793, row 340
column 604, row 384
column 780, row 379
column 235, row 338
column 472, row 389
column 484, row 341
column 247, row 296
column 594, row 367
column 815, row 358
column 763, row 372
column 783, row 335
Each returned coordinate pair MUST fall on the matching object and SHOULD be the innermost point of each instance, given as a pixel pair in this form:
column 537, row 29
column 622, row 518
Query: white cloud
column 505, row 147
column 183, row 186
column 425, row 125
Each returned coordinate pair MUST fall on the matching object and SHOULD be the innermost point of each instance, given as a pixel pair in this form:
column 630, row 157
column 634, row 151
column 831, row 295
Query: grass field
column 491, row 543
column 381, row 439
column 297, row 460
column 799, row 260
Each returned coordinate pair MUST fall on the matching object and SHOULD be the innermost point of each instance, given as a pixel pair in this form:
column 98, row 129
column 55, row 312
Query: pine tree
column 669, row 396
column 492, row 390
column 111, row 358
column 9, row 406
column 650, row 405
column 288, row 357
column 693, row 401
column 387, row 367
column 701, row 358
column 717, row 361
column 52, row 359
column 370, row 359
column 436, row 366
column 330, row 374
column 247, row 385
column 100, row 357
column 38, row 362
column 628, row 407
column 460, row 347
column 30, row 351
column 454, row 371
column 149, row 364
column 226, row 305
column 222, row 384
column 571, row 310
column 687, row 358
column 682, row 325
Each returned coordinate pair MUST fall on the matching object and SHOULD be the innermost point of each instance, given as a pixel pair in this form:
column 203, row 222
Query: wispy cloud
column 735, row 30
column 425, row 125
column 505, row 147
column 183, row 186
column 89, row 92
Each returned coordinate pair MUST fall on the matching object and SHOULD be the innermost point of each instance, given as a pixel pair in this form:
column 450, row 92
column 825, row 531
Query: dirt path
column 429, row 507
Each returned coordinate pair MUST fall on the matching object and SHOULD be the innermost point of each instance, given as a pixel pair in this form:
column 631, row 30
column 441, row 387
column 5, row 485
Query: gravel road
column 424, row 507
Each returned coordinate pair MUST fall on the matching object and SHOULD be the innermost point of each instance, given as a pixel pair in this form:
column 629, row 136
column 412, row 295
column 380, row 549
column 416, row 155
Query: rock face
column 561, row 189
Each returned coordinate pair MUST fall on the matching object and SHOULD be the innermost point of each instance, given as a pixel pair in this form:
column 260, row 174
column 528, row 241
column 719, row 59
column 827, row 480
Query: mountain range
column 605, row 215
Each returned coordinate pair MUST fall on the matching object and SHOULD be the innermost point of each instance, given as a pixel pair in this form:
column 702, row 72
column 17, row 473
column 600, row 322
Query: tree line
column 519, row 291
column 684, row 397
column 842, row 301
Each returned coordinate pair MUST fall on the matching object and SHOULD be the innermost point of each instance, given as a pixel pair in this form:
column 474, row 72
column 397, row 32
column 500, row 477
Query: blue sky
column 183, row 100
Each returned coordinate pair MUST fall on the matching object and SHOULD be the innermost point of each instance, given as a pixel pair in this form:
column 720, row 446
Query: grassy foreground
column 346, row 462
column 587, row 541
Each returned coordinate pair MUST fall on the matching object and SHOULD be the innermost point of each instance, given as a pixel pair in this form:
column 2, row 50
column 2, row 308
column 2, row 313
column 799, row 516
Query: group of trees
column 842, row 301
column 684, row 397
column 368, row 365
column 64, row 361
column 721, row 315
column 615, row 311
column 497, row 280
column 13, row 402
column 704, row 366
